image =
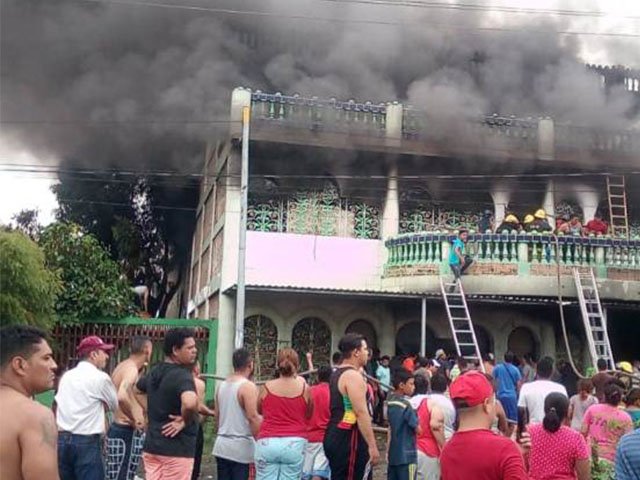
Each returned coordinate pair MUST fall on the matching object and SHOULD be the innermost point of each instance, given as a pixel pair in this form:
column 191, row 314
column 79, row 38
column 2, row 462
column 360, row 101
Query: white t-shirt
column 532, row 397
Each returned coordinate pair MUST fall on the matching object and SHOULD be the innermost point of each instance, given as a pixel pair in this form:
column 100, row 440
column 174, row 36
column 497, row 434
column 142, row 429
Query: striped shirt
column 628, row 457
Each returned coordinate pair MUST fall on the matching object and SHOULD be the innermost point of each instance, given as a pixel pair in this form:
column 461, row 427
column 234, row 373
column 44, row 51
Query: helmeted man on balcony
column 458, row 261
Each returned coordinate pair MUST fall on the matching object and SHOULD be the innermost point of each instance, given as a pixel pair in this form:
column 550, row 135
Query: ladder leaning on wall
column 618, row 214
column 464, row 335
column 593, row 317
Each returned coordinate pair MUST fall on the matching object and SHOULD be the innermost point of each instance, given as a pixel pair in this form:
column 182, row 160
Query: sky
column 22, row 190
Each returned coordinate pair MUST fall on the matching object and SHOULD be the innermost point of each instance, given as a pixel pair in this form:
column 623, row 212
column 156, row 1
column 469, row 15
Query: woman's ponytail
column 556, row 406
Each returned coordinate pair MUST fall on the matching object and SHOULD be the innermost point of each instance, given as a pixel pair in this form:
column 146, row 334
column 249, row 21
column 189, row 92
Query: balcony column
column 391, row 212
column 546, row 139
column 549, row 203
column 240, row 98
column 588, row 198
column 500, row 194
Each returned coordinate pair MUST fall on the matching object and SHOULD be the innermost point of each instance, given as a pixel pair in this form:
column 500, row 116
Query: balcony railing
column 312, row 113
column 520, row 250
column 496, row 131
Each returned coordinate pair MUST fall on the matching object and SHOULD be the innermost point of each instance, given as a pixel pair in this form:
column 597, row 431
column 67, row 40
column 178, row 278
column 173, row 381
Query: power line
column 487, row 8
column 444, row 26
column 118, row 122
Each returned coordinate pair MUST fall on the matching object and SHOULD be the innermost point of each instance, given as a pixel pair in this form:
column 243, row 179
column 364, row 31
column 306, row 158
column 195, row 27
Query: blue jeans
column 280, row 458
column 80, row 457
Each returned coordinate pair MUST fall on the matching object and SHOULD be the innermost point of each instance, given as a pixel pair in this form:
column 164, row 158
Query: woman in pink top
column 285, row 405
column 557, row 452
column 604, row 424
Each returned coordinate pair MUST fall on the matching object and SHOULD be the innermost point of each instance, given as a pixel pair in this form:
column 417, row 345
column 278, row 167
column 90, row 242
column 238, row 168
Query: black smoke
column 104, row 83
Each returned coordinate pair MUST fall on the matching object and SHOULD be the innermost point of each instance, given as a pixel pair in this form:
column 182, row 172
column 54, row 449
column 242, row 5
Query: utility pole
column 242, row 235
column 423, row 328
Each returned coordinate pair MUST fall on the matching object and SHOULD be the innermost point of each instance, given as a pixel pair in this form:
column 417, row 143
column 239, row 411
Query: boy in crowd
column 403, row 428
column 316, row 465
column 579, row 403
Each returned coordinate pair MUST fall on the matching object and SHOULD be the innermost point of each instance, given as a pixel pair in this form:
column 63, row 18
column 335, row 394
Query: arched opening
column 364, row 328
column 522, row 342
column 484, row 339
column 261, row 339
column 312, row 335
column 408, row 340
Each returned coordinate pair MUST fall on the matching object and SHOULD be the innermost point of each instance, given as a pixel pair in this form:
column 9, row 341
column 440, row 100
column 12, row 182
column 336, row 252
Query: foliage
column 27, row 222
column 91, row 283
column 147, row 225
column 27, row 289
column 602, row 470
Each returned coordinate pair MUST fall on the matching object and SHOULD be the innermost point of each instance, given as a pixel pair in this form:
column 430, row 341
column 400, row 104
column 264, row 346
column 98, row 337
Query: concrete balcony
column 517, row 264
column 524, row 266
column 397, row 128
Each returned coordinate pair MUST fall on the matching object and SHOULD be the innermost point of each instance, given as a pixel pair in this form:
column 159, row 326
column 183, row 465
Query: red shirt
column 317, row 424
column 409, row 364
column 554, row 455
column 481, row 455
column 426, row 442
column 597, row 226
column 283, row 416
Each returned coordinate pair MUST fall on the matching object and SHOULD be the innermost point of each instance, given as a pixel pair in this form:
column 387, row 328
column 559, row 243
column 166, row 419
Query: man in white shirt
column 532, row 394
column 83, row 394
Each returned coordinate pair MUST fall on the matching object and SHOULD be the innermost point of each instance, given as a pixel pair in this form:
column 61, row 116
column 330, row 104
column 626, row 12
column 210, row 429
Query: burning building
column 351, row 212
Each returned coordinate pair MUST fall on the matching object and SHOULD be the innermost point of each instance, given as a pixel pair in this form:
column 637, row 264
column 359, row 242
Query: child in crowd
column 403, row 428
column 579, row 403
column 633, row 406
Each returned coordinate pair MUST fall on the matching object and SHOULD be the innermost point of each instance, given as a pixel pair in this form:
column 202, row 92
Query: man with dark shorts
column 28, row 433
column 172, row 406
column 126, row 434
column 349, row 442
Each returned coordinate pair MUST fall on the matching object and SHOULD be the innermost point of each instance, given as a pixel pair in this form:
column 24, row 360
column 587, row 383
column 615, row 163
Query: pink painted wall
column 286, row 259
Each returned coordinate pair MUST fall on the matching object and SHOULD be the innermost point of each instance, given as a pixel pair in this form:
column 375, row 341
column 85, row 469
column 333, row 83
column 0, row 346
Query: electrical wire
column 444, row 26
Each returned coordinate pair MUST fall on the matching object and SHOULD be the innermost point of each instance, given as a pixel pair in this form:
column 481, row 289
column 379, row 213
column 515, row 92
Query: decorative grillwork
column 261, row 339
column 567, row 208
column 312, row 335
column 313, row 212
column 431, row 218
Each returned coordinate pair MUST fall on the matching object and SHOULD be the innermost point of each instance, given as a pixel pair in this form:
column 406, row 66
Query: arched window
column 364, row 328
column 312, row 334
column 484, row 338
column 522, row 342
column 261, row 339
column 408, row 340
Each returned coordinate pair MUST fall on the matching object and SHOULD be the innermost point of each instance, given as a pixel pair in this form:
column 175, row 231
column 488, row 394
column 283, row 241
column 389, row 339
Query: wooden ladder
column 617, row 195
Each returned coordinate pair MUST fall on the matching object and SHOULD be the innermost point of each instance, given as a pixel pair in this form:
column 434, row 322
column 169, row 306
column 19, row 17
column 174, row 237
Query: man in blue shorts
column 458, row 261
column 508, row 377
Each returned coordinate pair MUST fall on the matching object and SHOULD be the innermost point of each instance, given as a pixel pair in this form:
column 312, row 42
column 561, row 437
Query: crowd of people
column 444, row 419
column 565, row 224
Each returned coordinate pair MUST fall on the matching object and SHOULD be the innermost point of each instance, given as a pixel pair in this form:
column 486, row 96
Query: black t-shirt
column 163, row 385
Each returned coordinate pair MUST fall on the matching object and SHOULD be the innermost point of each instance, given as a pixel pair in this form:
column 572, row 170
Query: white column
column 393, row 124
column 549, row 203
column 240, row 98
column 501, row 195
column 546, row 139
column 391, row 212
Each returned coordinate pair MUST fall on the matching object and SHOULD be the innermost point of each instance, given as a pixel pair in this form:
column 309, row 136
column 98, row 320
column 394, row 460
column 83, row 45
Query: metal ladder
column 595, row 322
column 460, row 321
column 617, row 195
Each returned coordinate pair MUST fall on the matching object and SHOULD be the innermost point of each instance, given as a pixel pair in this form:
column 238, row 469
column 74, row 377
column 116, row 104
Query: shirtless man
column 28, row 433
column 126, row 434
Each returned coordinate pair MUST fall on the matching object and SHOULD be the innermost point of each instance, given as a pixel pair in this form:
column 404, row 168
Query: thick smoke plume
column 115, row 84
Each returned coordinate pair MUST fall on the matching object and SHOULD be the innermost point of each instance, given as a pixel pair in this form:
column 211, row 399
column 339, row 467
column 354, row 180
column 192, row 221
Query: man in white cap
column 83, row 394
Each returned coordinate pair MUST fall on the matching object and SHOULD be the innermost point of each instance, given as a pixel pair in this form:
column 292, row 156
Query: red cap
column 94, row 343
column 472, row 387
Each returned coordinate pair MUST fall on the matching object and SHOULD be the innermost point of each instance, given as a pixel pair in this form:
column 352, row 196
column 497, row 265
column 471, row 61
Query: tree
column 146, row 224
column 27, row 222
column 92, row 286
column 27, row 288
